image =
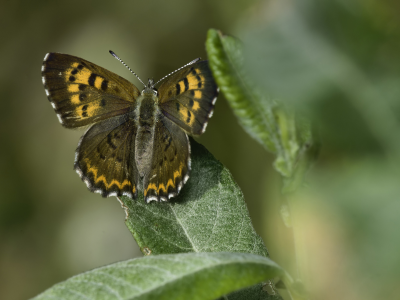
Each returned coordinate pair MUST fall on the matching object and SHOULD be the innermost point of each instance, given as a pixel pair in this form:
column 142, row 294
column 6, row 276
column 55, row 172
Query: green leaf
column 209, row 215
column 179, row 276
column 272, row 124
column 226, row 62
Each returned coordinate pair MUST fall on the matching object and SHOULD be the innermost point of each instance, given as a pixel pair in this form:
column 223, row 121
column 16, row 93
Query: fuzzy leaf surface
column 177, row 276
column 209, row 215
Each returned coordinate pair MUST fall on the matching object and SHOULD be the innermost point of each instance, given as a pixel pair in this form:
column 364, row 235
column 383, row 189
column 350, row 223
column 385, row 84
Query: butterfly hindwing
column 105, row 158
column 170, row 162
column 83, row 93
column 188, row 97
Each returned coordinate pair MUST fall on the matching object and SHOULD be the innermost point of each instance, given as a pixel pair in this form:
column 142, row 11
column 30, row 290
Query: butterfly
column 137, row 140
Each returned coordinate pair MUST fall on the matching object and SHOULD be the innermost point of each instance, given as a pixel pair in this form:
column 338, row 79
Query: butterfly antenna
column 116, row 56
column 188, row 64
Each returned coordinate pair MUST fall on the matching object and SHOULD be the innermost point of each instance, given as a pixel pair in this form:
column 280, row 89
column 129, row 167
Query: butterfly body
column 148, row 115
column 137, row 141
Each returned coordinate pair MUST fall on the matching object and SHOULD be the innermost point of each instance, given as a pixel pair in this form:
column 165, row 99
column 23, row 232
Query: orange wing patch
column 87, row 110
column 162, row 187
column 75, row 99
column 195, row 79
column 170, row 183
column 73, row 88
column 186, row 115
column 98, row 81
column 153, row 186
column 79, row 74
column 102, row 178
column 195, row 104
column 191, row 82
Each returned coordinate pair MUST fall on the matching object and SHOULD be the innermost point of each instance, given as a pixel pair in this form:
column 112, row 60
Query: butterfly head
column 149, row 88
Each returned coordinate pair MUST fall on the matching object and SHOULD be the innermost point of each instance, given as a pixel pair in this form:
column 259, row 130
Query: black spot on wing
column 186, row 83
column 199, row 84
column 92, row 79
column 100, row 154
column 109, row 141
column 84, row 112
column 104, row 85
column 191, row 102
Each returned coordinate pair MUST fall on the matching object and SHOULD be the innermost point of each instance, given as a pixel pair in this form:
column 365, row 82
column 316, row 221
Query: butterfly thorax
column 146, row 119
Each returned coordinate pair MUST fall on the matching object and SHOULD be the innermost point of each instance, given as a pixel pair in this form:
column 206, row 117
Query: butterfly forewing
column 105, row 158
column 170, row 162
column 188, row 97
column 83, row 93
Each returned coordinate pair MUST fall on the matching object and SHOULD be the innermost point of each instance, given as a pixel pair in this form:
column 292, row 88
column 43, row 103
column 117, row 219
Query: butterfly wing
column 188, row 97
column 105, row 158
column 83, row 93
column 170, row 162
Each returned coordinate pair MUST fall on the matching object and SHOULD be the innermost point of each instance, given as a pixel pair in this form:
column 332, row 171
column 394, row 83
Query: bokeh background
column 337, row 61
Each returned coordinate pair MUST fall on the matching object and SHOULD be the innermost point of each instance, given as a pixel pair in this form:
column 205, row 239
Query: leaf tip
column 146, row 251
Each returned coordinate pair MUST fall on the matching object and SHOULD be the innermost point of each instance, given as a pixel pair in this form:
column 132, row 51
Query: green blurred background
column 337, row 61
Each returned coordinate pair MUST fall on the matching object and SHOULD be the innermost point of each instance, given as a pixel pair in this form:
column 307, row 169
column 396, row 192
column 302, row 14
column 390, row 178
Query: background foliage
column 337, row 61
